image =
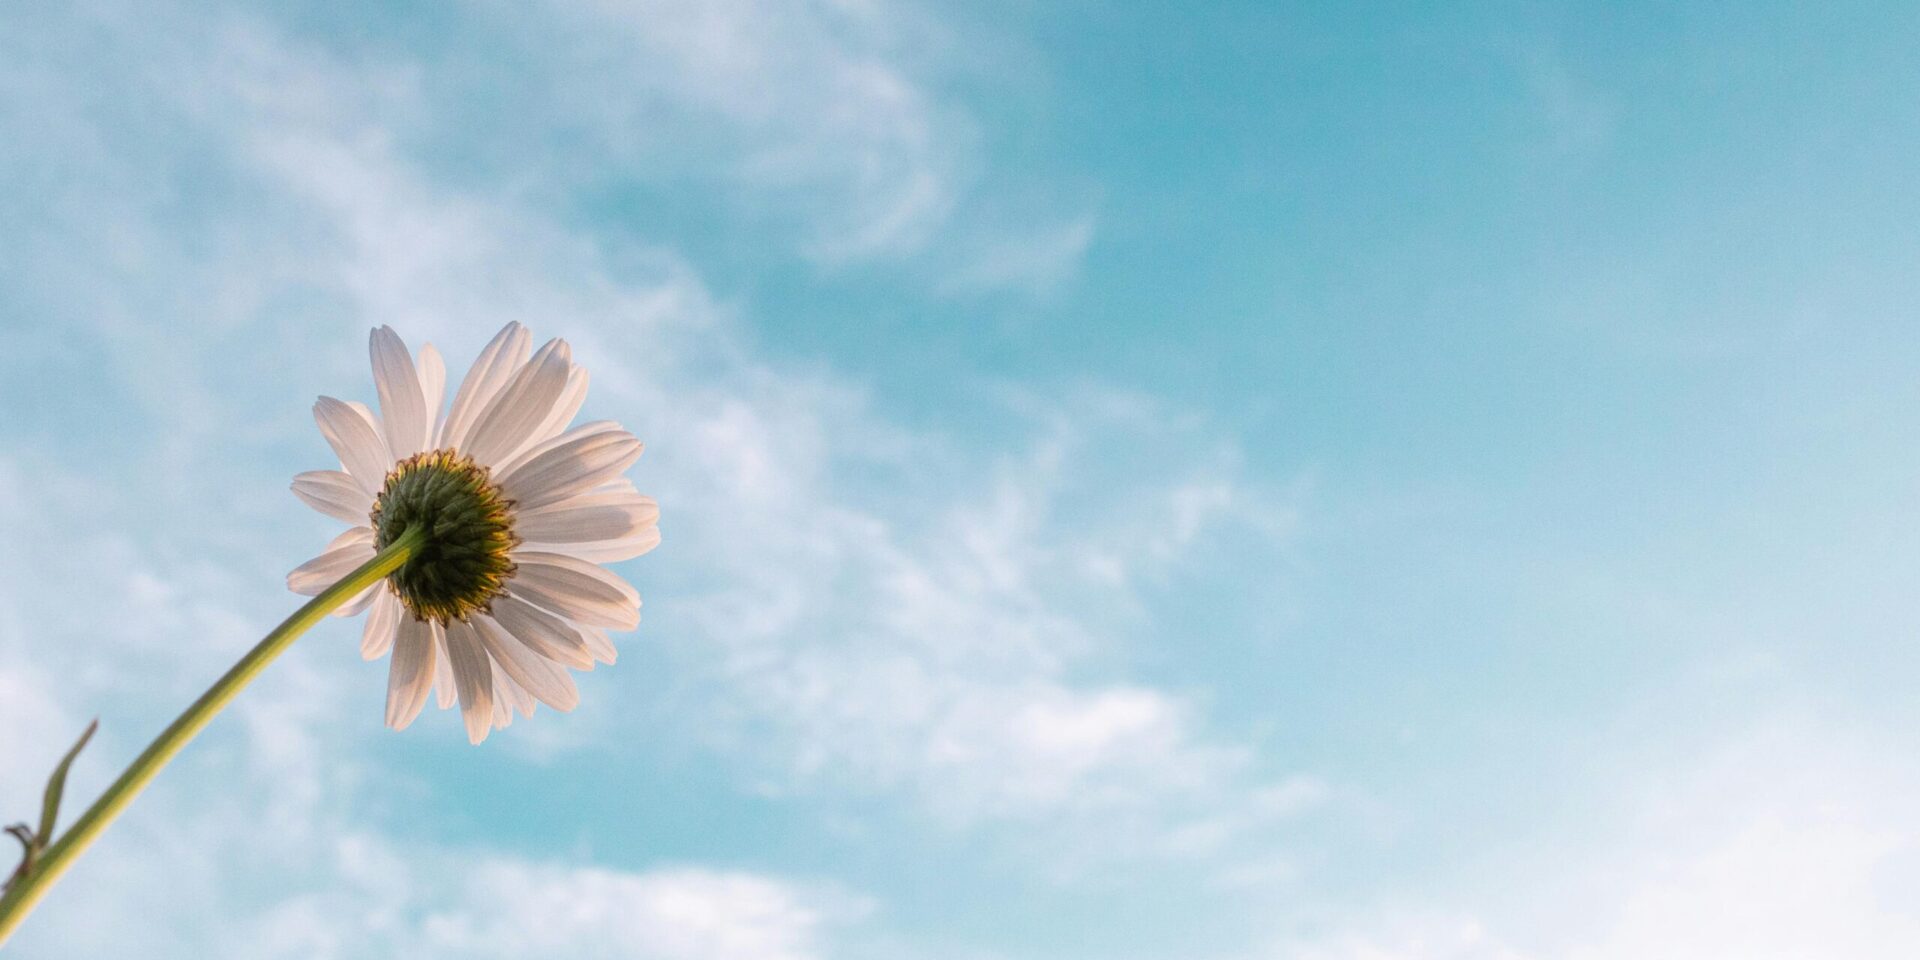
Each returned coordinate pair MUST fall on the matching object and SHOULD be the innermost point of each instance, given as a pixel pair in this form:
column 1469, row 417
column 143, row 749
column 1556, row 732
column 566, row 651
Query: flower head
column 519, row 512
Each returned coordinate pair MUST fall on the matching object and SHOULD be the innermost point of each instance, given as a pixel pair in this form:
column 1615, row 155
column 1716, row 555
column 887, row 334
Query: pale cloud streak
column 826, row 128
column 842, row 648
column 253, row 845
column 1792, row 840
column 926, row 651
column 514, row 909
column 827, row 123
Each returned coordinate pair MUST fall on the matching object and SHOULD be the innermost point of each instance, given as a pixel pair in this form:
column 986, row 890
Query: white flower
column 508, row 592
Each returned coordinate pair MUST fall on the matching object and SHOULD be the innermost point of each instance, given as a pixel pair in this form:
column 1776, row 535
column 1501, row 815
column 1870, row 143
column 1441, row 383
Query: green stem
column 27, row 891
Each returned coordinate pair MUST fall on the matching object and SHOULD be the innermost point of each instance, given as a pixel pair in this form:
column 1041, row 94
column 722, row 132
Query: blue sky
column 1265, row 482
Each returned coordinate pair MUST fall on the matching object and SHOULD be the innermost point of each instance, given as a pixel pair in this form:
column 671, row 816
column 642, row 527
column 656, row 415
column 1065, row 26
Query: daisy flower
column 520, row 511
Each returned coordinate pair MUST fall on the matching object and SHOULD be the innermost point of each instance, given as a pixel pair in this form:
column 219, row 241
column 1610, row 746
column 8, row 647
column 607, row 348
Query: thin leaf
column 29, row 847
column 57, row 784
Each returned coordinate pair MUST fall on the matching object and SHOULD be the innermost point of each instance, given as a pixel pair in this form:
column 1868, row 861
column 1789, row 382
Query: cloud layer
column 845, row 641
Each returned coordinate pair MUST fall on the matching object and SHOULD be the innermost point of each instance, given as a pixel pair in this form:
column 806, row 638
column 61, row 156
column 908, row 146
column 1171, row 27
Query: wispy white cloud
column 1028, row 258
column 827, row 128
column 844, row 640
column 925, row 650
column 512, row 909
column 1416, row 935
column 31, row 720
column 822, row 116
column 254, row 844
column 936, row 653
column 1793, row 840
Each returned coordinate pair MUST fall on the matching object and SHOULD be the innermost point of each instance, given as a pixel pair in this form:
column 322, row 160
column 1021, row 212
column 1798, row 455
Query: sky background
column 1147, row 481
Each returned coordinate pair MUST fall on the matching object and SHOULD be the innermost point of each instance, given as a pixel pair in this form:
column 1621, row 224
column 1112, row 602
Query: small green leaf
column 57, row 784
column 29, row 851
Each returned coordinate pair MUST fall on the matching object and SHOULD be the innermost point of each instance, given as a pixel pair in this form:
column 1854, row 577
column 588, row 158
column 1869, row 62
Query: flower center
column 465, row 562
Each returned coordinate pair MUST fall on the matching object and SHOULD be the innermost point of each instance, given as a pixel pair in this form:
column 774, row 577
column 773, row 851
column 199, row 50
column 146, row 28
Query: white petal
column 547, row 634
column 579, row 597
column 605, row 551
column 626, row 499
column 444, row 692
column 495, row 366
column 409, row 672
column 586, row 524
column 376, row 638
column 347, row 552
column 539, row 676
column 334, row 493
column 515, row 695
column 360, row 600
column 403, row 407
column 522, row 405
column 578, row 567
column 533, row 450
column 433, row 387
column 572, row 468
column 616, row 485
column 366, row 413
column 352, row 535
column 508, row 696
column 354, row 439
column 599, row 645
column 564, row 409
column 473, row 674
column 380, row 432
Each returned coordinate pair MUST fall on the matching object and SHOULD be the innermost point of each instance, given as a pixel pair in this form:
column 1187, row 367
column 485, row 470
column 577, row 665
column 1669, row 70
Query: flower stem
column 27, row 891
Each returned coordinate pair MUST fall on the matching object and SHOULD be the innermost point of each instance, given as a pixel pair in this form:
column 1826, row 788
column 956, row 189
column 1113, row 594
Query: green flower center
column 466, row 561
